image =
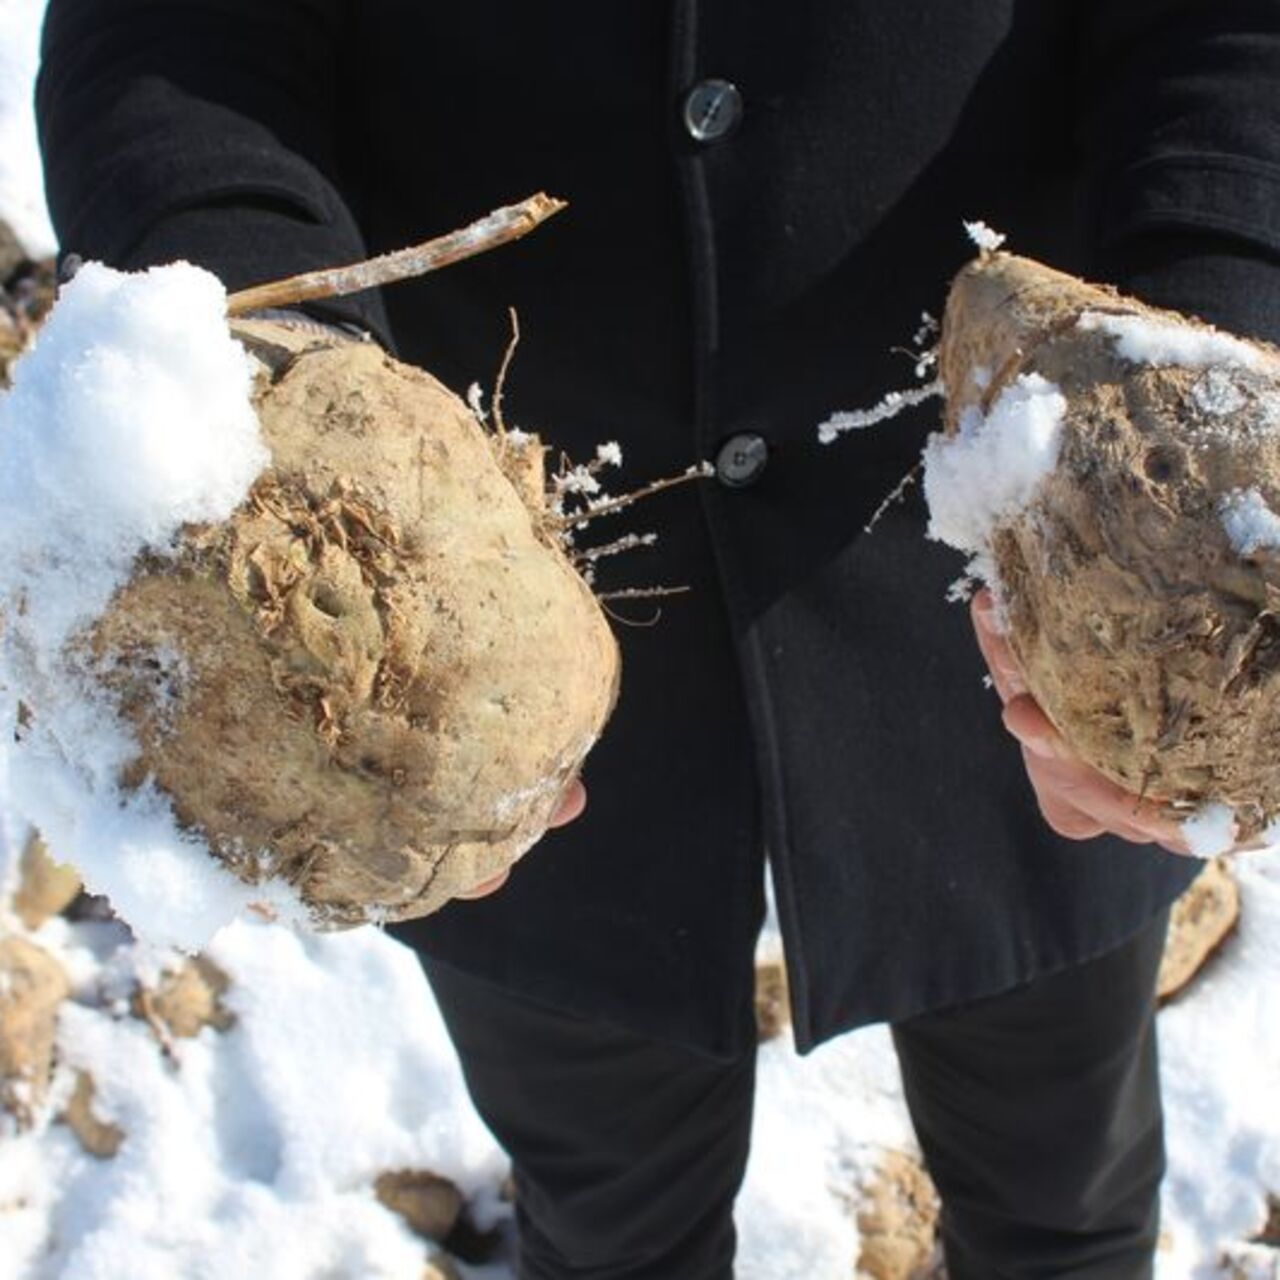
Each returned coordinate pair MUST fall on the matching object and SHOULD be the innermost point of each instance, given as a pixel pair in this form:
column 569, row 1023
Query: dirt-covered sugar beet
column 1141, row 583
column 375, row 679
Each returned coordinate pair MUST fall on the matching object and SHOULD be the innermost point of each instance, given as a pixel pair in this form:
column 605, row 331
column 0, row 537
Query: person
column 762, row 202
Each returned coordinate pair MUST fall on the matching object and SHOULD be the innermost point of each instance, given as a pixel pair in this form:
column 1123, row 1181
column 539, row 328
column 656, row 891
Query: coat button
column 741, row 459
column 712, row 108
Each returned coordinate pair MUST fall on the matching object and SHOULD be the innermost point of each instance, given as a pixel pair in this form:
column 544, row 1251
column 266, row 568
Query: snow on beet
column 1249, row 521
column 1155, row 340
column 127, row 419
column 1211, row 830
column 992, row 466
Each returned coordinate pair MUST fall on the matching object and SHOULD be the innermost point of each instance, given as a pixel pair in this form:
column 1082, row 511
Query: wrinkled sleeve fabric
column 200, row 129
column 1179, row 116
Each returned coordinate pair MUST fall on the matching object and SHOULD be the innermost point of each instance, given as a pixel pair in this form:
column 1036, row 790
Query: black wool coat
column 814, row 696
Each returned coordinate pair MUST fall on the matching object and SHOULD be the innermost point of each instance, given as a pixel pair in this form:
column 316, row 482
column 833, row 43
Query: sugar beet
column 1149, row 635
column 376, row 678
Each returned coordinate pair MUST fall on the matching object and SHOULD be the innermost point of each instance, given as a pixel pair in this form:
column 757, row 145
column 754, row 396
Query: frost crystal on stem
column 893, row 403
column 983, row 236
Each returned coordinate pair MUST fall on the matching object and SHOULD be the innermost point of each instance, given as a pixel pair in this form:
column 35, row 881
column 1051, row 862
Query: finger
column 572, row 802
column 1066, row 818
column 1071, row 783
column 1116, row 809
column 1063, row 774
column 1006, row 675
column 485, row 887
column 1077, row 824
column 1025, row 719
column 1068, row 821
column 1120, row 810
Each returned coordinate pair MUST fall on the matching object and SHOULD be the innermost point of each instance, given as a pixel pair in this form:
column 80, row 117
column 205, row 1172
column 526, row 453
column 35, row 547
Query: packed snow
column 128, row 418
column 1249, row 521
column 249, row 1152
column 1211, row 830
column 1142, row 339
column 254, row 1150
column 21, row 190
column 1217, row 393
column 990, row 469
column 1220, row 1075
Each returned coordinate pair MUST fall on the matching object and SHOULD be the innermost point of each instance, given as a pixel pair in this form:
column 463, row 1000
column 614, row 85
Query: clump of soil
column 772, row 999
column 1148, row 635
column 898, row 1222
column 32, row 985
column 45, row 886
column 27, row 288
column 1202, row 920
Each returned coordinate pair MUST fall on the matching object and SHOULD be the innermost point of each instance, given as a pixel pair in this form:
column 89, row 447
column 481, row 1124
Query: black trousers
column 1038, row 1112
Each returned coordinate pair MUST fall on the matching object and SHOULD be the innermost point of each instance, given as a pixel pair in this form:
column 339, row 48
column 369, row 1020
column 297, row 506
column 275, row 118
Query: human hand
column 1075, row 799
column 572, row 802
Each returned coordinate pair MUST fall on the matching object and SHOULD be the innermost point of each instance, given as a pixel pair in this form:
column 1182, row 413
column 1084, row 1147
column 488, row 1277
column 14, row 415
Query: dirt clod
column 1201, row 920
column 429, row 1203
column 773, row 1001
column 98, row 1137
column 32, row 985
column 898, row 1222
column 45, row 887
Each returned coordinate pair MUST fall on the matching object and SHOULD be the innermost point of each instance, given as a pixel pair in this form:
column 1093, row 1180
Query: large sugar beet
column 376, row 678
column 1142, row 581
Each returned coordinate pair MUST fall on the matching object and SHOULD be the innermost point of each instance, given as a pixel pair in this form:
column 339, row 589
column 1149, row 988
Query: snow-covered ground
column 21, row 193
column 252, row 1151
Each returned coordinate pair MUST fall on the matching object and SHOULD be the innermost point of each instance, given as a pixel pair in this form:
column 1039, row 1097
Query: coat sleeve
column 201, row 129
column 1180, row 131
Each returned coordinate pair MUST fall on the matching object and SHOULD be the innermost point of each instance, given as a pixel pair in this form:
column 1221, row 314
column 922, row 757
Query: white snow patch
column 1211, row 830
column 22, row 202
column 128, row 418
column 254, row 1151
column 1220, row 1074
column 1148, row 340
column 1217, row 394
column 1249, row 521
column 992, row 466
column 821, row 1129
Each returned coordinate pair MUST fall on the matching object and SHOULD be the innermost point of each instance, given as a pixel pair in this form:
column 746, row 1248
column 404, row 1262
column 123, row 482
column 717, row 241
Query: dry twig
column 497, row 228
column 501, row 381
